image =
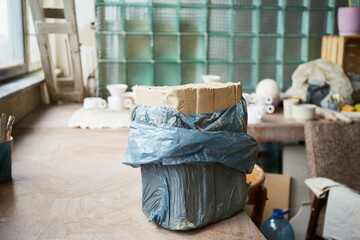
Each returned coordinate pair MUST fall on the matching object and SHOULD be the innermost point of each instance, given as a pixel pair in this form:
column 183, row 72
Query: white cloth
column 342, row 216
column 319, row 186
column 320, row 72
column 99, row 118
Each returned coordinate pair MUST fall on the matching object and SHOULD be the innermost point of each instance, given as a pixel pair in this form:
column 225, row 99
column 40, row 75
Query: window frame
column 13, row 71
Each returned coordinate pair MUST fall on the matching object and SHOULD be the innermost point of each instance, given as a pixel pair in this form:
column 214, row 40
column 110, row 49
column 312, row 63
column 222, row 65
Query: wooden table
column 71, row 184
column 274, row 128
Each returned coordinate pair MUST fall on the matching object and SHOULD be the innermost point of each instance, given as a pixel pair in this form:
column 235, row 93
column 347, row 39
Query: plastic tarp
column 193, row 166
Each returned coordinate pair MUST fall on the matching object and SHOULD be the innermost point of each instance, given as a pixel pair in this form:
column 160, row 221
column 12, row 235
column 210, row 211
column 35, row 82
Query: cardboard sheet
column 278, row 191
column 191, row 98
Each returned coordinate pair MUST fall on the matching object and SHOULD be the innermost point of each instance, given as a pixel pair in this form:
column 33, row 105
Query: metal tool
column 3, row 127
column 9, row 127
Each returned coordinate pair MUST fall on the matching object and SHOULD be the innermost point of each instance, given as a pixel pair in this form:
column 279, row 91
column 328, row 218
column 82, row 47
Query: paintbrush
column 9, row 127
column 3, row 127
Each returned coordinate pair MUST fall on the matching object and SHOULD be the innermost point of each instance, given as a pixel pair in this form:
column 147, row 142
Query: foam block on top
column 192, row 98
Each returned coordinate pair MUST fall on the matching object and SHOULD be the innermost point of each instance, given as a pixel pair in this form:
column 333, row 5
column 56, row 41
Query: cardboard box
column 191, row 98
column 278, row 192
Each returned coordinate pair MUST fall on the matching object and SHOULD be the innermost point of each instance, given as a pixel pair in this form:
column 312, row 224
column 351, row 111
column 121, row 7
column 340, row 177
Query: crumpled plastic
column 193, row 166
column 320, row 72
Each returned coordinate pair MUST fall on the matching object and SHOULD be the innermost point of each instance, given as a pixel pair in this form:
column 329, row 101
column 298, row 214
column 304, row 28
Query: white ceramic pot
column 303, row 112
column 117, row 90
column 288, row 103
column 255, row 113
column 211, row 78
column 94, row 103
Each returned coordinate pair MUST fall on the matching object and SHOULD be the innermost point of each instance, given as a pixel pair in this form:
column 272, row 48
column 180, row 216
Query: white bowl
column 117, row 90
column 211, row 78
column 303, row 112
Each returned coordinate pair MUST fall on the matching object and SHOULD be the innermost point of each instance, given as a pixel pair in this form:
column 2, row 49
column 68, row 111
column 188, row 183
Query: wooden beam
column 324, row 43
column 45, row 28
column 74, row 96
column 355, row 69
column 54, row 13
column 44, row 47
column 70, row 15
column 353, row 50
column 351, row 59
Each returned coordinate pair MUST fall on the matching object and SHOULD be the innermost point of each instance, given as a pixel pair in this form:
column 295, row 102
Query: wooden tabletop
column 274, row 128
column 71, row 184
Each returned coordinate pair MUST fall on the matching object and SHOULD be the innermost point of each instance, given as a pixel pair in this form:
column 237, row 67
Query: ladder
column 69, row 27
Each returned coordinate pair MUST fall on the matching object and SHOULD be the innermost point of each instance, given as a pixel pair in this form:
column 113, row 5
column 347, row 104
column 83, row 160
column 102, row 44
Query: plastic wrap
column 193, row 166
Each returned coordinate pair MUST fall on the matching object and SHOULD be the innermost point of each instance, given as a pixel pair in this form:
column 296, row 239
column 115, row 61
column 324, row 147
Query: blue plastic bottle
column 277, row 227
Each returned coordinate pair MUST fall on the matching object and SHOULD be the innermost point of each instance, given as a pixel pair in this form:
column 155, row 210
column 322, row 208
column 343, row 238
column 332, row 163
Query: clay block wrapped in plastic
column 193, row 166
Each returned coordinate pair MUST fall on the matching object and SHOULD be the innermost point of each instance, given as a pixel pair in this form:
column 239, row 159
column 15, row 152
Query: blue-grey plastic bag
column 193, row 166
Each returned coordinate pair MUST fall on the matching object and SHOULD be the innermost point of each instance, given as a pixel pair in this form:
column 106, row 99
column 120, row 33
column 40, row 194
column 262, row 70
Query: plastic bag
column 319, row 72
column 193, row 166
column 315, row 94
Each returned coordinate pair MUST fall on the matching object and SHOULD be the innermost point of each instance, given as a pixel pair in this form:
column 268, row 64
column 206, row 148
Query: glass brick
column 136, row 1
column 219, row 70
column 192, row 47
column 220, row 2
column 288, row 71
column 320, row 18
column 165, row 47
column 192, row 20
column 167, row 74
column 191, row 73
column 111, row 73
column 218, row 47
column 110, row 1
column 268, row 48
column 139, row 73
column 138, row 46
column 165, row 19
column 109, row 18
column 314, row 50
column 110, row 46
column 219, row 20
column 244, row 2
column 319, row 3
column 244, row 73
column 137, row 19
column 295, row 2
column 270, row 2
column 244, row 48
column 294, row 22
column 244, row 21
column 267, row 71
column 165, row 1
column 269, row 21
column 292, row 48
column 197, row 2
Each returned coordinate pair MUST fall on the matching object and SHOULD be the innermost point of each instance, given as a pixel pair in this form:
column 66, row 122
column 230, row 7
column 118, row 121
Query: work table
column 71, row 184
column 274, row 128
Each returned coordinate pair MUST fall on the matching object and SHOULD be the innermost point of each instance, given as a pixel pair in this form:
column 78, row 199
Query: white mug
column 255, row 113
column 116, row 103
column 211, row 78
column 94, row 103
column 288, row 104
column 119, row 103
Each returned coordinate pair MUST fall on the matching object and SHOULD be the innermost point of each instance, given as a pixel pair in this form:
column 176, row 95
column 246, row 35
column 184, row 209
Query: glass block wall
column 171, row 42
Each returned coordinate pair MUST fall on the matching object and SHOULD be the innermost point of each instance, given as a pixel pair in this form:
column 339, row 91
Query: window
column 12, row 44
column 171, row 42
